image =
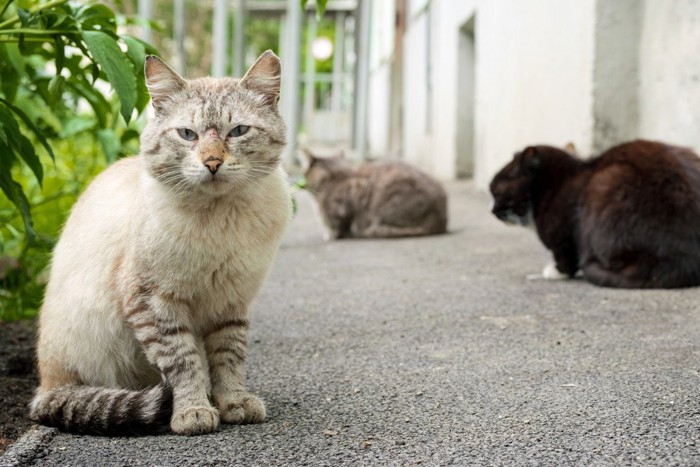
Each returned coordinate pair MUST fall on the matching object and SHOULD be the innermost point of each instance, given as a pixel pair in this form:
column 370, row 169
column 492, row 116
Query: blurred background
column 452, row 86
column 455, row 86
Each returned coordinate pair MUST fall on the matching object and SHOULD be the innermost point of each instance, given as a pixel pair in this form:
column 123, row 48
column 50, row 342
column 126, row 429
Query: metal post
column 338, row 61
column 238, row 48
column 179, row 36
column 220, row 40
column 291, row 69
column 310, row 69
column 146, row 14
column 359, row 142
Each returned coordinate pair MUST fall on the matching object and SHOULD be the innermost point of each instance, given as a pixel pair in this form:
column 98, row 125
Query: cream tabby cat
column 145, row 318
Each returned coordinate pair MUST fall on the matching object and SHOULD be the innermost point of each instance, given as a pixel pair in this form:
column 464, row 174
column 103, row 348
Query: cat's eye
column 186, row 133
column 240, row 130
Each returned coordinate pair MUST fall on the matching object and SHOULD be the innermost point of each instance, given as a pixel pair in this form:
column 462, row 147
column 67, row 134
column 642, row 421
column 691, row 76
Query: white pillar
column 359, row 140
column 310, row 69
column 338, row 61
column 145, row 11
column 290, row 53
column 179, row 36
column 238, row 49
column 220, row 39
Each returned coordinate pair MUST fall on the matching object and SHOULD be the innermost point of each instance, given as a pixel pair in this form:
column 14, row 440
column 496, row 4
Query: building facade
column 458, row 86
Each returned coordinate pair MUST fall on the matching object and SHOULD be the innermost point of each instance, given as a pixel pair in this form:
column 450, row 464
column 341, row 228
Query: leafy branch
column 51, row 56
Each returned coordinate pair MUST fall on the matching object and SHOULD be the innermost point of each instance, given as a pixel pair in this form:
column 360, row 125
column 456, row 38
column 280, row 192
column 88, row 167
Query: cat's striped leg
column 226, row 344
column 172, row 347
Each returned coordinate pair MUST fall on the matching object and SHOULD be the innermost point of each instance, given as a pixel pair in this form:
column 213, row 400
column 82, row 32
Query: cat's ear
column 161, row 80
column 264, row 77
column 309, row 159
column 571, row 149
column 530, row 158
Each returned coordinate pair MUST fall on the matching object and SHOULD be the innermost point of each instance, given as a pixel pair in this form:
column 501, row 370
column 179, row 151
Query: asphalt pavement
column 439, row 351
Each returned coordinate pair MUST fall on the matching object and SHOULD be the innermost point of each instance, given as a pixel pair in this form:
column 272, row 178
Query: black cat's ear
column 530, row 158
column 264, row 77
column 162, row 81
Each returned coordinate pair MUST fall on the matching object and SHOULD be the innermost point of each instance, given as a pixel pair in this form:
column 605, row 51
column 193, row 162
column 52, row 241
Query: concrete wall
column 534, row 61
column 416, row 134
column 647, row 73
column 616, row 77
column 670, row 72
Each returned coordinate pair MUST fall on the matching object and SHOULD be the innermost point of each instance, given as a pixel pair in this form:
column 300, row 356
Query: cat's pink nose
column 213, row 164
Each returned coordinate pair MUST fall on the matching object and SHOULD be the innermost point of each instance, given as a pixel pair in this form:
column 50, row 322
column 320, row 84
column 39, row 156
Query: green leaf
column 59, row 54
column 21, row 145
column 97, row 16
column 27, row 121
column 111, row 145
column 129, row 135
column 55, row 88
column 116, row 66
column 320, row 8
column 24, row 16
column 96, row 100
column 4, row 7
column 10, row 78
column 75, row 126
column 136, row 51
column 14, row 193
column 15, row 58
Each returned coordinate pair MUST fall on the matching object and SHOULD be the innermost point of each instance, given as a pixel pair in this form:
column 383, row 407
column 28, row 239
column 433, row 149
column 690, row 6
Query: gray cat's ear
column 309, row 159
column 161, row 80
column 264, row 77
column 308, row 154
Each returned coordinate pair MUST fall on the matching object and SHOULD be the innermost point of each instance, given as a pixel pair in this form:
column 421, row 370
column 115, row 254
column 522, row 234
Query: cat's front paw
column 241, row 407
column 551, row 273
column 195, row 421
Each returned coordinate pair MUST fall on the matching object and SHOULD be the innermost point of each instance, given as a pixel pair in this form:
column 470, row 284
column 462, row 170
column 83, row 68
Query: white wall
column 448, row 18
column 534, row 63
column 534, row 69
column 670, row 72
column 378, row 111
column 618, row 31
column 416, row 137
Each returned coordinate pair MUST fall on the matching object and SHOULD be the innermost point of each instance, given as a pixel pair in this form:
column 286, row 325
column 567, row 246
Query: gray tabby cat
column 145, row 318
column 377, row 199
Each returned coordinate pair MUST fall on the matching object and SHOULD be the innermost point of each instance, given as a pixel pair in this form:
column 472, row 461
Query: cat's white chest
column 217, row 256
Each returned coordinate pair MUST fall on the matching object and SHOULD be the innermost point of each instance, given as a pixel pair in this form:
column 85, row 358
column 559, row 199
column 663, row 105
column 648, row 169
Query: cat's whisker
column 176, row 188
column 249, row 180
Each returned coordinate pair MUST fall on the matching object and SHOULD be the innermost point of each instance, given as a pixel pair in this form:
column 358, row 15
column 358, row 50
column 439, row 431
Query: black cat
column 629, row 218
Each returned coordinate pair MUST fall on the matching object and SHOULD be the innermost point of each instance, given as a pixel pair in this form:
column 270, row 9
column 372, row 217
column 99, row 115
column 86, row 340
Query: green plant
column 22, row 267
column 57, row 118
column 320, row 6
column 81, row 44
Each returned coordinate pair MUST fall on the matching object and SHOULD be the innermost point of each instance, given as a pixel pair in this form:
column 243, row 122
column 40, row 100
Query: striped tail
column 104, row 411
